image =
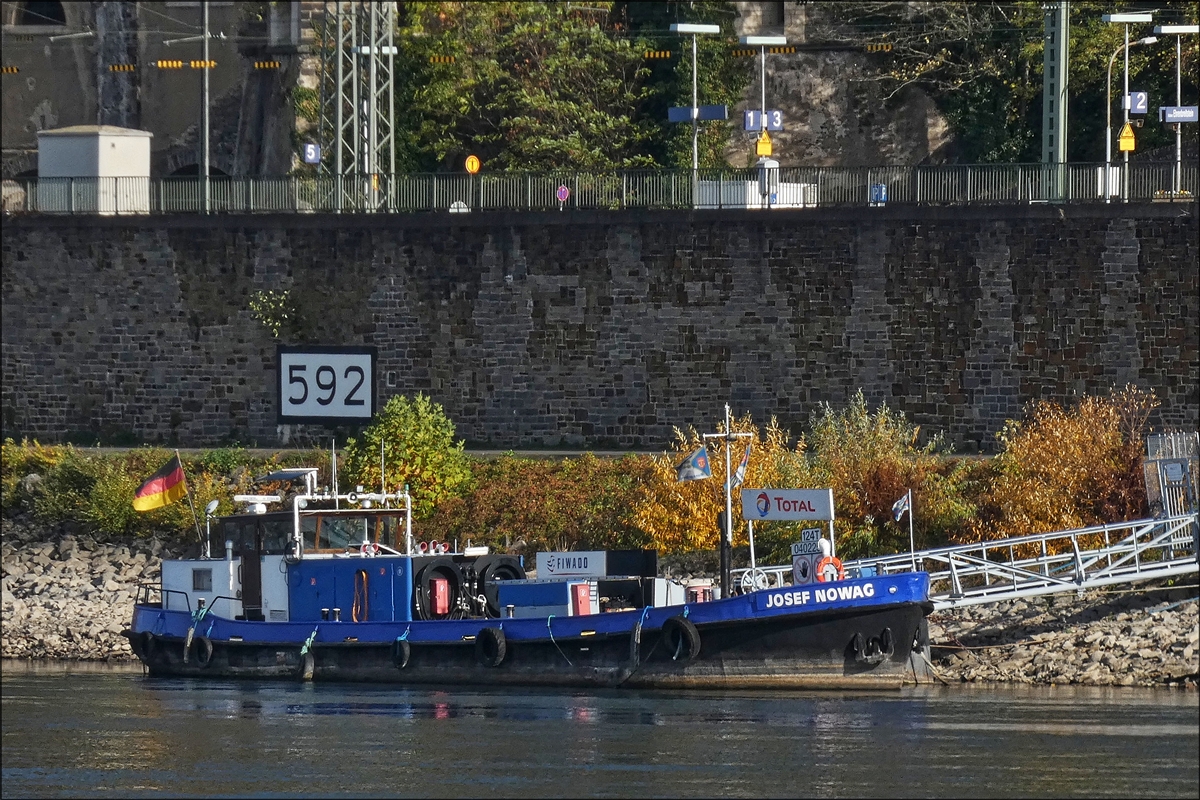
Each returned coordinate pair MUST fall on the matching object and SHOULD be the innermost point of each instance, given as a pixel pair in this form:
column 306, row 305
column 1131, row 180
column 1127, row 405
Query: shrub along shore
column 67, row 595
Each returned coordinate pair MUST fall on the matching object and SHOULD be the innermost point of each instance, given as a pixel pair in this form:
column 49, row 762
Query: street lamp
column 1178, row 30
column 694, row 30
column 1126, row 20
column 1108, row 110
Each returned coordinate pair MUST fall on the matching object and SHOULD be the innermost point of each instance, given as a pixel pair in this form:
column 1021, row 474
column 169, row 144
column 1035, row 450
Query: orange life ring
column 827, row 562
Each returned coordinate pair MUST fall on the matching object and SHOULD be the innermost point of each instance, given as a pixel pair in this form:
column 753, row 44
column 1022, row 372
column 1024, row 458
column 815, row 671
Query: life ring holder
column 827, row 562
column 491, row 647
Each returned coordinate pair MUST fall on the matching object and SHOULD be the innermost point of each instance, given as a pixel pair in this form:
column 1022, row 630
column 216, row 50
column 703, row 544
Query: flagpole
column 912, row 548
column 188, row 492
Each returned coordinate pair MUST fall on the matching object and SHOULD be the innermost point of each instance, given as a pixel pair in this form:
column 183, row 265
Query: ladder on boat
column 1026, row 566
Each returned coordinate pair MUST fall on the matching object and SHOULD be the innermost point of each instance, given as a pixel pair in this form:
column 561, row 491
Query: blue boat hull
column 853, row 634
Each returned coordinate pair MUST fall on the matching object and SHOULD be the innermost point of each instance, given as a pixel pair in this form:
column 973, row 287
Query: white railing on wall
column 789, row 187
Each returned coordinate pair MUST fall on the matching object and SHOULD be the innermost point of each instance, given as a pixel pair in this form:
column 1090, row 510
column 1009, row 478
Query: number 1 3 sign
column 326, row 384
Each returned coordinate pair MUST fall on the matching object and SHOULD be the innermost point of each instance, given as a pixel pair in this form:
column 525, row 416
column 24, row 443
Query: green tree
column 418, row 448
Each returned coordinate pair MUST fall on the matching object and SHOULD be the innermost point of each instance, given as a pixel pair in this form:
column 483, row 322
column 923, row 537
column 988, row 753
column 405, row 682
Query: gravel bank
column 68, row 596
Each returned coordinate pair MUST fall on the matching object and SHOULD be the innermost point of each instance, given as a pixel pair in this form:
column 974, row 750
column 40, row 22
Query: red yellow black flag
column 162, row 488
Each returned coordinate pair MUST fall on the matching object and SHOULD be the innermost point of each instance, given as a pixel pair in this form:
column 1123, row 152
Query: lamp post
column 1178, row 30
column 694, row 30
column 1108, row 110
column 1126, row 20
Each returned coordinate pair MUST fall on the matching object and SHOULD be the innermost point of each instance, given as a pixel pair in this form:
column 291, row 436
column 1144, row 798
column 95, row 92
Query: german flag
column 163, row 487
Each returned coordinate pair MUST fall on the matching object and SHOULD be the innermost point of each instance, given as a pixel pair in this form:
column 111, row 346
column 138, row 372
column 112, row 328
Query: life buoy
column 202, row 650
column 491, row 647
column 829, row 569
column 401, row 652
column 681, row 638
column 369, row 548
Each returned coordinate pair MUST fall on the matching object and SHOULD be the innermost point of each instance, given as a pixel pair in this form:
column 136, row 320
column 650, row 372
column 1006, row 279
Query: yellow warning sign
column 1125, row 140
column 762, row 147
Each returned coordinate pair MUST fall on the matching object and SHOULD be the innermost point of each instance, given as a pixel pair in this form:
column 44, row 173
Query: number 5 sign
column 326, row 384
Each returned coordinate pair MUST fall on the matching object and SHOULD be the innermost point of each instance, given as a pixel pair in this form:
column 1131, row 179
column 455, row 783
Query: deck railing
column 789, row 187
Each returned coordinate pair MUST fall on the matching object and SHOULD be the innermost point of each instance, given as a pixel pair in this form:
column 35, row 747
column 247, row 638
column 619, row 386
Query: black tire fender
column 202, row 650
column 151, row 647
column 681, row 638
column 887, row 642
column 859, row 646
column 491, row 648
column 401, row 653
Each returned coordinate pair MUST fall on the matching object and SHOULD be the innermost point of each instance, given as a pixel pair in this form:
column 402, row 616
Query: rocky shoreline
column 67, row 596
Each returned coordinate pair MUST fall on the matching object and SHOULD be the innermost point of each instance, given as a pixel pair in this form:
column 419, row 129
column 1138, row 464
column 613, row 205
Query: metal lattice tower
column 357, row 123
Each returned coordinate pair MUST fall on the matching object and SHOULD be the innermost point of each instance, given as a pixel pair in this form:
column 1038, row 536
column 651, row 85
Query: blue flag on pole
column 740, row 475
column 695, row 467
column 899, row 507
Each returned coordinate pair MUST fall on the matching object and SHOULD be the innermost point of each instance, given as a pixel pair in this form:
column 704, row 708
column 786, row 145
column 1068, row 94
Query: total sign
column 791, row 504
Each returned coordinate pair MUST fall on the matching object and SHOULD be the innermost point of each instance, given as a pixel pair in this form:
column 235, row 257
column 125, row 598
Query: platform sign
column 752, row 120
column 1139, row 103
column 1177, row 113
column 702, row 113
column 318, row 384
column 312, row 153
column 788, row 504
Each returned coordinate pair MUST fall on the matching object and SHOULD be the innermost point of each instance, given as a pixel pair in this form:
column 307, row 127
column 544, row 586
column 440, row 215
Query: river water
column 78, row 731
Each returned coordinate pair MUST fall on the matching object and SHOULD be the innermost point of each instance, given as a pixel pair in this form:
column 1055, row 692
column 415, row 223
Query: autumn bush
column 1064, row 468
column 530, row 505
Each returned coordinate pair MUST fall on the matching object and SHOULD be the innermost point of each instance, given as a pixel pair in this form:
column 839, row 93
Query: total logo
column 763, row 504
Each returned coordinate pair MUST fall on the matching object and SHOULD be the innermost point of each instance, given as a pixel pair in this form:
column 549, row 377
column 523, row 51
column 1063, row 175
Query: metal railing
column 788, row 187
column 1027, row 566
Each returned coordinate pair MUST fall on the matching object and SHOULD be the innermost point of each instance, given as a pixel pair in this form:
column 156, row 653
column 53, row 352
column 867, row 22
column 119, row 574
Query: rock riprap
column 1132, row 636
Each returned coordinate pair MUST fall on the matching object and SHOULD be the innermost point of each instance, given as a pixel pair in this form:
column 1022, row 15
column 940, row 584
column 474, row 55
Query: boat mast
column 727, row 534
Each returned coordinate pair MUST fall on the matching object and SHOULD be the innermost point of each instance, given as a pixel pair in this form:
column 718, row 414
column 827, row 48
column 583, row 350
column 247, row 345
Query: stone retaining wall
column 601, row 330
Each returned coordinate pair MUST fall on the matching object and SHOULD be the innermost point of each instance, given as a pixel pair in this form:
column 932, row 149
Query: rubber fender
column 151, row 647
column 443, row 567
column 401, row 653
column 491, row 648
column 202, row 650
column 681, row 638
column 308, row 666
column 492, row 569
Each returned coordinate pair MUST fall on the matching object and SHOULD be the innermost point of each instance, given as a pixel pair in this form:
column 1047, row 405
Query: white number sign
column 326, row 384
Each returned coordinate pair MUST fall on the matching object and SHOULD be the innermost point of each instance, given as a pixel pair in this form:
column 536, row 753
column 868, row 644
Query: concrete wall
column 604, row 329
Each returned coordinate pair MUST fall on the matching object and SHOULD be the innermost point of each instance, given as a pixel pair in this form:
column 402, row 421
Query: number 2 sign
column 326, row 384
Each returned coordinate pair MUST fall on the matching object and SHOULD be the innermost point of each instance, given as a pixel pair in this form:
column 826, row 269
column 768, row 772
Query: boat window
column 308, row 532
column 276, row 533
column 201, row 580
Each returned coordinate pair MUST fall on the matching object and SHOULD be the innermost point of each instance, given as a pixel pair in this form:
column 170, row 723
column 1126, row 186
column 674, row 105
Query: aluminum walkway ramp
column 1026, row 566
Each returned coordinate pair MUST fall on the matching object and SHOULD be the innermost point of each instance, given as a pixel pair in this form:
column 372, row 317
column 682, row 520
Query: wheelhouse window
column 331, row 533
column 201, row 580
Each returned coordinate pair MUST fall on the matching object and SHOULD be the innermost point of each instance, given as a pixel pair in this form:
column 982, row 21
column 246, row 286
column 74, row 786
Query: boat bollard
column 325, row 615
column 337, row 615
column 510, row 611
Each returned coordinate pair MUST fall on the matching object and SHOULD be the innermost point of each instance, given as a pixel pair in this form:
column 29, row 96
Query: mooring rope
column 560, row 652
column 309, row 642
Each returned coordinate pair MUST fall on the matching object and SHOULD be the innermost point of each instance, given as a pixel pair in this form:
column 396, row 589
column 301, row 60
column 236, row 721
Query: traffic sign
column 1126, row 141
column 312, row 153
column 562, row 194
column 752, row 120
column 762, row 147
column 473, row 164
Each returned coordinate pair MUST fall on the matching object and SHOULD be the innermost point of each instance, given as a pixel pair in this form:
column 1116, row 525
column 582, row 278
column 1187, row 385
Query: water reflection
column 68, row 734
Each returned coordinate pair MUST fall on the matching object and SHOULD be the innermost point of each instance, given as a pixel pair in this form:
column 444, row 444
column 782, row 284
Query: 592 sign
column 326, row 384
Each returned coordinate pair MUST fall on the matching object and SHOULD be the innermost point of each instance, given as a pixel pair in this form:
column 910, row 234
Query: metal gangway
column 1026, row 566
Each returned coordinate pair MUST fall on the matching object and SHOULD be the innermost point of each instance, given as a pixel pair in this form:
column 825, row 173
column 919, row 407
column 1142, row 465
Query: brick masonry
column 603, row 329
